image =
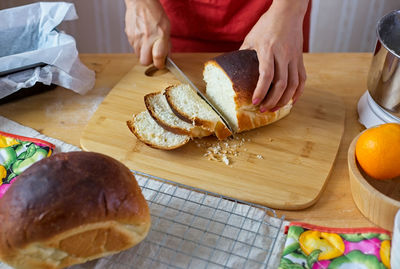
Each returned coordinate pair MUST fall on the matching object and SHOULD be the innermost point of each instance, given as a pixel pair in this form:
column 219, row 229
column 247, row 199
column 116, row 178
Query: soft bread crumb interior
column 51, row 251
column 220, row 92
column 165, row 113
column 191, row 104
column 148, row 128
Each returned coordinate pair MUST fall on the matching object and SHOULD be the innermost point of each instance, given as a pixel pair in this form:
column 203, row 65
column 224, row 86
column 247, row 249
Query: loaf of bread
column 147, row 130
column 231, row 79
column 190, row 107
column 71, row 208
column 159, row 109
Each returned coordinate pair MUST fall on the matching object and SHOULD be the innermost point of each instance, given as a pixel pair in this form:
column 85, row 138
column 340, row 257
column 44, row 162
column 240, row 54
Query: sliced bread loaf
column 158, row 107
column 190, row 107
column 231, row 79
column 146, row 129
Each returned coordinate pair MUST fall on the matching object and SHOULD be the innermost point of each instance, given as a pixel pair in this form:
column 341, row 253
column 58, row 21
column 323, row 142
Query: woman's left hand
column 277, row 38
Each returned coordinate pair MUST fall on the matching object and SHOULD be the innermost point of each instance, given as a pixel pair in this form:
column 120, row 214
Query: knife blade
column 178, row 73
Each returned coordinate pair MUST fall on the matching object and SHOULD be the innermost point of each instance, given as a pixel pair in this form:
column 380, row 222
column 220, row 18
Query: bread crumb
column 223, row 151
column 260, row 157
column 225, row 159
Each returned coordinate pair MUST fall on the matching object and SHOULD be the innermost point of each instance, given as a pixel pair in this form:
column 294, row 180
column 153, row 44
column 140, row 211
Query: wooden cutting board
column 284, row 165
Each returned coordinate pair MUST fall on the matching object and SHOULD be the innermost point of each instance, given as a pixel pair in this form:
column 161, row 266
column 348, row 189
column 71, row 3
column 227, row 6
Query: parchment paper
column 28, row 36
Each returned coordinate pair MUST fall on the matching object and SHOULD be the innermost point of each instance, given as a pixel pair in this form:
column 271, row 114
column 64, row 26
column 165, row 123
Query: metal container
column 384, row 72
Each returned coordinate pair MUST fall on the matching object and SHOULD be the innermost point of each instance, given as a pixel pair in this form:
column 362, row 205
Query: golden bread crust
column 248, row 119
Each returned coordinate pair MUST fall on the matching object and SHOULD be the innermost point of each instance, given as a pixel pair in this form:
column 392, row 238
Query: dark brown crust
column 244, row 81
column 132, row 128
column 65, row 191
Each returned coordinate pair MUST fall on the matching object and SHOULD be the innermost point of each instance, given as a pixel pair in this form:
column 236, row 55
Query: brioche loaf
column 71, row 208
column 158, row 107
column 147, row 130
column 231, row 79
column 189, row 106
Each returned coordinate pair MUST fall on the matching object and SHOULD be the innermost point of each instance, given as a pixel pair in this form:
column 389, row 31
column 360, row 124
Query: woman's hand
column 148, row 30
column 277, row 38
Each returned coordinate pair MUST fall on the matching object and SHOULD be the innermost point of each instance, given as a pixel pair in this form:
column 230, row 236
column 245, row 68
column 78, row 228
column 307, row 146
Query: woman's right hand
column 148, row 30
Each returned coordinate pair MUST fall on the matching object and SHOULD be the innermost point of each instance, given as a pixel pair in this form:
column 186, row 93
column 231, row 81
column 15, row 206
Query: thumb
column 160, row 51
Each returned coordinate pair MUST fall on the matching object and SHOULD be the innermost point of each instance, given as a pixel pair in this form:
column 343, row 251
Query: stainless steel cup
column 384, row 72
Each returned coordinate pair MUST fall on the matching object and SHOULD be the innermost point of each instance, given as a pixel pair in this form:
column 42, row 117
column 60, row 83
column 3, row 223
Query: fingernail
column 263, row 109
column 275, row 109
column 256, row 101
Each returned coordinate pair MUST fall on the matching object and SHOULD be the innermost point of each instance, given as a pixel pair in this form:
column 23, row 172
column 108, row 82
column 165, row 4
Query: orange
column 378, row 151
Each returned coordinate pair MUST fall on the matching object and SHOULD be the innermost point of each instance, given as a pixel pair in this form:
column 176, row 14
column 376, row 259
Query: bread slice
column 190, row 107
column 146, row 129
column 158, row 107
column 231, row 79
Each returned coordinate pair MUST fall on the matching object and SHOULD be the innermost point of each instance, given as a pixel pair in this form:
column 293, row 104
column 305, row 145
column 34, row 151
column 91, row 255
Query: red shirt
column 216, row 25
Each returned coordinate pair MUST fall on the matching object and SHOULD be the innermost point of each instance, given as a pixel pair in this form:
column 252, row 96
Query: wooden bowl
column 378, row 200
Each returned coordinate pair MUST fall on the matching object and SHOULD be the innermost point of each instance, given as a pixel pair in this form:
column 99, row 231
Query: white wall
column 347, row 25
column 336, row 25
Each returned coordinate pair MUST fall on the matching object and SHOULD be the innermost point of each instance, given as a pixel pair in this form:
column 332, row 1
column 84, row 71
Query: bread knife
column 178, row 73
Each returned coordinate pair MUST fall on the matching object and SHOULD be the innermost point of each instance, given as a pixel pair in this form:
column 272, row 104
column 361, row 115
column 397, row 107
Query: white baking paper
column 28, row 37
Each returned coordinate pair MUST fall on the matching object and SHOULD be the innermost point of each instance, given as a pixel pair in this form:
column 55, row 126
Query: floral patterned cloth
column 17, row 153
column 314, row 247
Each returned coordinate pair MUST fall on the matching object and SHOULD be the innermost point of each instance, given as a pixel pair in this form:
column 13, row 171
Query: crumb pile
column 223, row 151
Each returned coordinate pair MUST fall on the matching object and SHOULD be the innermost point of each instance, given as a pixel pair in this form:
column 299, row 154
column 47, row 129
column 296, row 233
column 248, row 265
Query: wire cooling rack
column 193, row 228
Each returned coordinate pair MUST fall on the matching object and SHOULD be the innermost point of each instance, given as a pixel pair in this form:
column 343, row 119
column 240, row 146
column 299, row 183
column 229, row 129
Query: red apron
column 216, row 25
